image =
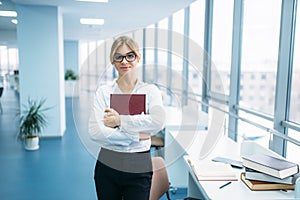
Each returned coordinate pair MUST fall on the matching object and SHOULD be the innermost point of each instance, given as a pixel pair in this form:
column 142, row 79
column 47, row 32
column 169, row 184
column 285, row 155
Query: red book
column 128, row 104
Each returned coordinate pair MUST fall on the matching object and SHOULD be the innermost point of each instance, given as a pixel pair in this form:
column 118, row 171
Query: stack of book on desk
column 263, row 172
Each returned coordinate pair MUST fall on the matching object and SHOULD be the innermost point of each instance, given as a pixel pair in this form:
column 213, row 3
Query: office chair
column 160, row 180
column 1, row 91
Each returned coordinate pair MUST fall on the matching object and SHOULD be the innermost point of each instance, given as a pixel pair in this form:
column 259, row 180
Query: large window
column 258, row 69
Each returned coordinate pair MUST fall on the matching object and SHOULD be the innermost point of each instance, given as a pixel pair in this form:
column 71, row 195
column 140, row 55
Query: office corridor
column 61, row 169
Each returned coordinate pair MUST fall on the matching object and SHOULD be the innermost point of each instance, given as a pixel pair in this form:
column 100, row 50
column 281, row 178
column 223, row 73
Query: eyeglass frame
column 124, row 57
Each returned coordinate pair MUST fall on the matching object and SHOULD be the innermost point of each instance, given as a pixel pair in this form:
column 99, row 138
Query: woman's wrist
column 144, row 136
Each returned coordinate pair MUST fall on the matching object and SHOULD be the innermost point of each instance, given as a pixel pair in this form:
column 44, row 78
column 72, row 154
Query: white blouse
column 126, row 137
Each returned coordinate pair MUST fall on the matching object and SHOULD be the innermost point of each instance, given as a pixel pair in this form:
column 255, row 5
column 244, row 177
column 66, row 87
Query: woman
column 124, row 169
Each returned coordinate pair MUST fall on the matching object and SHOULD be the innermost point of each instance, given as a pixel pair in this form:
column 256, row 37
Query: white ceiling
column 120, row 16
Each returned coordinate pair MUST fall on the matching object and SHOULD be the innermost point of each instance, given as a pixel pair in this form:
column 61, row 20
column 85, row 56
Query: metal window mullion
column 185, row 70
column 156, row 52
column 254, row 112
column 218, row 97
column 207, row 54
column 291, row 125
column 144, row 55
column 169, row 59
column 97, row 59
column 8, row 59
column 88, row 67
column 284, row 68
column 105, row 60
column 237, row 31
column 114, row 71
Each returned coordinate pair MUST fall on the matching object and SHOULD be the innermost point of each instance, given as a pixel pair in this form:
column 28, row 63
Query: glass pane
column 197, row 16
column 295, row 94
column 178, row 21
column 260, row 54
column 138, row 36
column 177, row 40
column 195, row 81
column 149, row 59
column 84, row 67
column 177, row 51
column 162, row 52
column 215, row 121
column 101, row 63
column 221, row 45
column 248, row 131
column 3, row 58
column 293, row 151
column 92, row 58
column 13, row 59
column 163, row 24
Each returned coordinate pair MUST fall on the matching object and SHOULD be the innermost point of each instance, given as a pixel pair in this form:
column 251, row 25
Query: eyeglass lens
column 130, row 57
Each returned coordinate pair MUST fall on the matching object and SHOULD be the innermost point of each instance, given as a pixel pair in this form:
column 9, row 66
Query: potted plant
column 70, row 75
column 32, row 121
column 70, row 83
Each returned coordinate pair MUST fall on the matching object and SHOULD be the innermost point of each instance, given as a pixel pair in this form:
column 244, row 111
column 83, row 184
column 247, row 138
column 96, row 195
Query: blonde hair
column 124, row 40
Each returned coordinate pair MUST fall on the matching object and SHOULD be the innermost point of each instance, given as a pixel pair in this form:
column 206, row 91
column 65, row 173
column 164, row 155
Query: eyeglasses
column 130, row 57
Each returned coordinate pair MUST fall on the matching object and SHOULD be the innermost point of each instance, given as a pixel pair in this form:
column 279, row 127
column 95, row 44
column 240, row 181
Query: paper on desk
column 214, row 171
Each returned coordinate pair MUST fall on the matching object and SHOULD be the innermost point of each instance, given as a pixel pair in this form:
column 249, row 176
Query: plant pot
column 31, row 143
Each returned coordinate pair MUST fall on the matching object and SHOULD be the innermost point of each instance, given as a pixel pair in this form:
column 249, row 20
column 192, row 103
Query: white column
column 41, row 62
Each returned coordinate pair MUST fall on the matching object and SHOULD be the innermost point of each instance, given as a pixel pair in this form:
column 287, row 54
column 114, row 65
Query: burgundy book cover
column 128, row 104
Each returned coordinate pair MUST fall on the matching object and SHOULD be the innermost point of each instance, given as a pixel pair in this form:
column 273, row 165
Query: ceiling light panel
column 92, row 21
column 6, row 13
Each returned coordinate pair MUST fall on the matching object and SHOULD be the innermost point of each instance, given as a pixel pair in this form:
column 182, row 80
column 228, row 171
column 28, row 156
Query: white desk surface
column 226, row 148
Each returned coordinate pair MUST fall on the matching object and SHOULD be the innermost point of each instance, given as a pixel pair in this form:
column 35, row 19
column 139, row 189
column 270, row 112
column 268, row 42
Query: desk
column 179, row 118
column 210, row 189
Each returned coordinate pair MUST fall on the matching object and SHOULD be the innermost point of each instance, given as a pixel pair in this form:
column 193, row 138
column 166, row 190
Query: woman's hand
column 111, row 118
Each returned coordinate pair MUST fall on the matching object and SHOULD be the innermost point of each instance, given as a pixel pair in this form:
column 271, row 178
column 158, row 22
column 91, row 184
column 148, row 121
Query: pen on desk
column 225, row 184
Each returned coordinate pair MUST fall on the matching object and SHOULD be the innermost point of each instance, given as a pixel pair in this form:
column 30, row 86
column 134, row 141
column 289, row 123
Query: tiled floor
column 61, row 169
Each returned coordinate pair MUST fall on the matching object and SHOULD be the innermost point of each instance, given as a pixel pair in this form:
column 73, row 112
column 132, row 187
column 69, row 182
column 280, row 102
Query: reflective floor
column 61, row 169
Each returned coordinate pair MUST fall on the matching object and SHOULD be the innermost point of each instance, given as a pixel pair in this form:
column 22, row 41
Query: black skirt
column 139, row 162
